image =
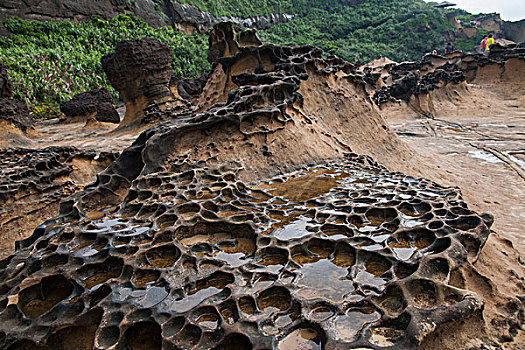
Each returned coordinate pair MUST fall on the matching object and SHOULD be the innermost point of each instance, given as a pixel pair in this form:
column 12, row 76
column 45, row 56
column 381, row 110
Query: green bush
column 49, row 62
column 42, row 111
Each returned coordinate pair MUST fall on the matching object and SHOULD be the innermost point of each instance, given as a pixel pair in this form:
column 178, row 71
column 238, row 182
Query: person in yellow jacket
column 489, row 42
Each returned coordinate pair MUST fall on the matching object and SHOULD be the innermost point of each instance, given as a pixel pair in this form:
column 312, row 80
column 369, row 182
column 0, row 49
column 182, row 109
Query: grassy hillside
column 353, row 29
column 49, row 62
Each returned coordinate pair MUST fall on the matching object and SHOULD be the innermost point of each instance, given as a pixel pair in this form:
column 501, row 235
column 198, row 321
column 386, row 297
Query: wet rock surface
column 33, row 181
column 331, row 256
column 96, row 103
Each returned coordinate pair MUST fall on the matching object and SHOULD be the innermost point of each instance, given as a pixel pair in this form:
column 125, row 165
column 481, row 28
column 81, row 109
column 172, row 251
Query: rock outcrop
column 188, row 88
column 185, row 18
column 416, row 82
column 15, row 122
column 96, row 104
column 6, row 90
column 211, row 230
column 189, row 19
column 226, row 40
column 515, row 31
column 15, row 112
column 140, row 70
column 49, row 10
column 33, row 182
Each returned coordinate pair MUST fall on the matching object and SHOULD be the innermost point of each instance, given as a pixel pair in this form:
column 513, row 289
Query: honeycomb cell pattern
column 333, row 256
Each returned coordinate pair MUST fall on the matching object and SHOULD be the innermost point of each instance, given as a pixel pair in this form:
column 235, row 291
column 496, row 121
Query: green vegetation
column 353, row 29
column 49, row 62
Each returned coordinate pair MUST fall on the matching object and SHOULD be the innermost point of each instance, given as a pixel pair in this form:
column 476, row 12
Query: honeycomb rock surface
column 33, row 182
column 331, row 256
column 96, row 103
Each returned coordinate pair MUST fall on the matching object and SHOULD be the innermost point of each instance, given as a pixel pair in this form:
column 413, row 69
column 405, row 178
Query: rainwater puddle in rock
column 305, row 185
column 295, row 229
column 234, row 251
column 347, row 327
column 313, row 282
column 302, row 338
column 142, row 298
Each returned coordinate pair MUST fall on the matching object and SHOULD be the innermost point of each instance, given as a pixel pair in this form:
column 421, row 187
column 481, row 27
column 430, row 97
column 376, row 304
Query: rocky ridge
column 414, row 82
column 156, row 13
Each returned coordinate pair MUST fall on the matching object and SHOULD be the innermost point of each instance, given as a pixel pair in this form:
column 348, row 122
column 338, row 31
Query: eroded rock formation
column 199, row 259
column 14, row 114
column 140, row 70
column 211, row 230
column 96, row 104
column 33, row 182
column 226, row 40
column 47, row 10
column 157, row 13
column 5, row 85
column 416, row 83
column 189, row 19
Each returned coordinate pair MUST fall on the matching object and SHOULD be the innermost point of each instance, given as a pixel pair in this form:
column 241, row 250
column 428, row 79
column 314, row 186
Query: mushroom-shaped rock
column 96, row 103
column 140, row 71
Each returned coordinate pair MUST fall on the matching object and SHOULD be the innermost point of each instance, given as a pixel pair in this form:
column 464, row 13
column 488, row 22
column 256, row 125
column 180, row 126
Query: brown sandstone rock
column 140, row 71
column 226, row 39
column 15, row 112
column 97, row 103
column 5, row 85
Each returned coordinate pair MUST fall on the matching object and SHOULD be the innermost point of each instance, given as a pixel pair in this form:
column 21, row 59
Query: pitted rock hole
column 38, row 299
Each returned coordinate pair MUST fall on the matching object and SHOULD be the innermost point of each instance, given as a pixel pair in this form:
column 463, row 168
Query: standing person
column 489, row 42
column 482, row 44
column 450, row 48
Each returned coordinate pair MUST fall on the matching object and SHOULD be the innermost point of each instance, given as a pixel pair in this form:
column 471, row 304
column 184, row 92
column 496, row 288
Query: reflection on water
column 303, row 338
column 313, row 282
